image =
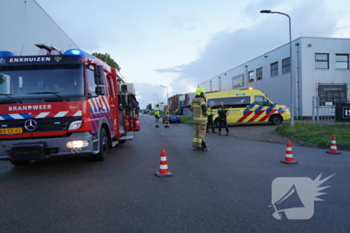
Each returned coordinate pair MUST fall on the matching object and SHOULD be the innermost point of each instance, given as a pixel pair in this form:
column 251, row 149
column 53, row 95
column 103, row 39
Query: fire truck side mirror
column 124, row 88
column 2, row 78
column 100, row 90
column 99, row 75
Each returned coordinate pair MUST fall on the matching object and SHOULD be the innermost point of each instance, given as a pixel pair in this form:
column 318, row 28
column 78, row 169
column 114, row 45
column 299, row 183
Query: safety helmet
column 200, row 90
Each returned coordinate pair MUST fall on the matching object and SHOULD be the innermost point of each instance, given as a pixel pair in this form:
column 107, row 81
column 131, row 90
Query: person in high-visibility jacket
column 157, row 114
column 199, row 109
column 166, row 117
column 210, row 120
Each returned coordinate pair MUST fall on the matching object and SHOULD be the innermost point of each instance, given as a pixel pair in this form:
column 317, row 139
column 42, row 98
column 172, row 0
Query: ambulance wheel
column 276, row 120
column 103, row 146
column 20, row 163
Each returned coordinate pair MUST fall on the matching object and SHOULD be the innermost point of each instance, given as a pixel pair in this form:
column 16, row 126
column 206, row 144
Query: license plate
column 25, row 151
column 11, row 131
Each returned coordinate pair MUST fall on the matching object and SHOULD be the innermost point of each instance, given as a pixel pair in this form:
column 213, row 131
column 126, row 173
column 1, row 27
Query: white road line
column 146, row 120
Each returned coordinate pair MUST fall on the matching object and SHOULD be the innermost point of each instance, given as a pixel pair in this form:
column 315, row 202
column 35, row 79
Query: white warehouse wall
column 311, row 76
column 23, row 23
column 305, row 76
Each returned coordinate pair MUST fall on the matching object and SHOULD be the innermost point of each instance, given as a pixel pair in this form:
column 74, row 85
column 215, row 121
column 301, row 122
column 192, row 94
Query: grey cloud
column 145, row 94
column 255, row 7
column 176, row 69
column 227, row 50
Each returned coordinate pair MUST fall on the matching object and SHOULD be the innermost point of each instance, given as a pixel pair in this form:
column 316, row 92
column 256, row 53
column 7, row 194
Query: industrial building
column 24, row 24
column 319, row 68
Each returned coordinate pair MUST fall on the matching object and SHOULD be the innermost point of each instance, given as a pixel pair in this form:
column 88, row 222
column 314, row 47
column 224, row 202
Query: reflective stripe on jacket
column 209, row 111
column 167, row 113
column 196, row 107
column 156, row 112
column 222, row 110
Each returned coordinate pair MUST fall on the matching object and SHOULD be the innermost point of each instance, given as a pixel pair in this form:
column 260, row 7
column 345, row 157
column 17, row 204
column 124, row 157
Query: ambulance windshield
column 41, row 81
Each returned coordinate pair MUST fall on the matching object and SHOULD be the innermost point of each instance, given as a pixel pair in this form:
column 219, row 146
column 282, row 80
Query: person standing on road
column 199, row 109
column 223, row 114
column 210, row 119
column 157, row 114
column 166, row 117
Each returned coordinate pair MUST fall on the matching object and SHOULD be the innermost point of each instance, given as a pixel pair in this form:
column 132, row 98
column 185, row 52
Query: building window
column 274, row 69
column 286, row 65
column 342, row 61
column 251, row 76
column 259, row 73
column 322, row 61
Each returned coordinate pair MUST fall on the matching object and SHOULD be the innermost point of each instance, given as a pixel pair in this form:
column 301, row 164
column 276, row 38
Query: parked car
column 173, row 118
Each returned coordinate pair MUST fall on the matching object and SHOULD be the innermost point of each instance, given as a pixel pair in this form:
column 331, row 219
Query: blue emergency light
column 77, row 52
column 7, row 54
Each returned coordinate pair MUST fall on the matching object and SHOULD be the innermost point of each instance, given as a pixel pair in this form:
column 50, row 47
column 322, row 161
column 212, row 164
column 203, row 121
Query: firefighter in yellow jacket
column 166, row 117
column 199, row 109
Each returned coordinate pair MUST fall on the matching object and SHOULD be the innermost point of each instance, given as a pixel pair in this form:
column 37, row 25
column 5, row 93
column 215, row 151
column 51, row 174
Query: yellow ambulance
column 247, row 106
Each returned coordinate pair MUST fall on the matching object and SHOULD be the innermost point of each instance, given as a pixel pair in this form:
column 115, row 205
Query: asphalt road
column 228, row 189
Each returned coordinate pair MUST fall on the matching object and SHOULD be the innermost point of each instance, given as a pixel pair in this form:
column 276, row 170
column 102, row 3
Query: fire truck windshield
column 41, row 81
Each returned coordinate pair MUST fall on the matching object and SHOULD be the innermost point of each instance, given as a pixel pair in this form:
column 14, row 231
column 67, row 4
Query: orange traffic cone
column 163, row 170
column 289, row 155
column 333, row 149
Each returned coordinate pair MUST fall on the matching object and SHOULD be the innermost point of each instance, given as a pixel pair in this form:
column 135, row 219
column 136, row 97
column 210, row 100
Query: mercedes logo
column 30, row 125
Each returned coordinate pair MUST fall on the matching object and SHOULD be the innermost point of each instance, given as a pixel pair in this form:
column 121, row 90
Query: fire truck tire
column 20, row 163
column 103, row 146
column 276, row 120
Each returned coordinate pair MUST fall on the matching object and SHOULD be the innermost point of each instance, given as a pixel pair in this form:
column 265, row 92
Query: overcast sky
column 182, row 43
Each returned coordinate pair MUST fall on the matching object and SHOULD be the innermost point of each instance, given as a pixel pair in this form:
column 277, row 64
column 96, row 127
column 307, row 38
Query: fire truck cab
column 62, row 104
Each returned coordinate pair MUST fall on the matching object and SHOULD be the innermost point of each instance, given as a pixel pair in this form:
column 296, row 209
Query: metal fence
column 324, row 113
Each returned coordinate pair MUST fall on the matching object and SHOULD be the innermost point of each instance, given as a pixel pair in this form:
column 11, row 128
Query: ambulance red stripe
column 245, row 116
column 268, row 115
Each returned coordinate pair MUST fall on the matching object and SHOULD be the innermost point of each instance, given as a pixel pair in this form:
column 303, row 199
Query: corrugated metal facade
column 307, row 77
column 24, row 24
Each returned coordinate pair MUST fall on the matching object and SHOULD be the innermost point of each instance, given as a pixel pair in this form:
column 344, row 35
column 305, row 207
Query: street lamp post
column 167, row 98
column 290, row 61
column 157, row 98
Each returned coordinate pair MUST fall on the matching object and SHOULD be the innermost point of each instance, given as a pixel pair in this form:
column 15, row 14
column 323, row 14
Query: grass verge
column 186, row 119
column 317, row 134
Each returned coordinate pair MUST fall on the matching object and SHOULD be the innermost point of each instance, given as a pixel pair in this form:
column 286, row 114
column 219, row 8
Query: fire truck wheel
column 103, row 146
column 20, row 163
column 276, row 120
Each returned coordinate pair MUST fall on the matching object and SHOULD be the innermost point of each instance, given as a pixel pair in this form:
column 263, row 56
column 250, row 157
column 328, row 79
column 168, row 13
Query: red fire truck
column 62, row 104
